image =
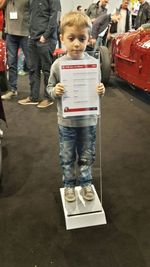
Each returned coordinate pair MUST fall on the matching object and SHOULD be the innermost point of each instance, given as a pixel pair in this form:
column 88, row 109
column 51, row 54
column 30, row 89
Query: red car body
column 131, row 57
column 2, row 55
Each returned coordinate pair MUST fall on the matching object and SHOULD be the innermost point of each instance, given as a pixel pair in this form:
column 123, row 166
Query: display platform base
column 82, row 213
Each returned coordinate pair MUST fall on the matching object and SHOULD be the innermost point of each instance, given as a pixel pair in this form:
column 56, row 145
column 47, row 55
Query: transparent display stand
column 82, row 213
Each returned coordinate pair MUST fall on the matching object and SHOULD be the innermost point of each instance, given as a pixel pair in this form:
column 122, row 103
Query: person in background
column 43, row 25
column 143, row 15
column 17, row 30
column 102, row 23
column 77, row 134
column 97, row 9
column 124, row 23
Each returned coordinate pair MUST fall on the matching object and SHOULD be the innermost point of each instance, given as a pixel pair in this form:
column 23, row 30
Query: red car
column 3, row 78
column 131, row 58
column 2, row 56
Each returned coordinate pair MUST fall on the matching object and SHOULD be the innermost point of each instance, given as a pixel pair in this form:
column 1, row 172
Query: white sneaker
column 27, row 101
column 22, row 72
column 9, row 95
column 87, row 192
column 45, row 103
column 69, row 194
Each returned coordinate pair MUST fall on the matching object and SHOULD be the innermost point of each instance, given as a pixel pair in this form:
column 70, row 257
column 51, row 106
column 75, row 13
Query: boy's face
column 75, row 41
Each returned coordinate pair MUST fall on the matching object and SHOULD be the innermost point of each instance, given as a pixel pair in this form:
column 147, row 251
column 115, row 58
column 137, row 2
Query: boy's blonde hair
column 76, row 19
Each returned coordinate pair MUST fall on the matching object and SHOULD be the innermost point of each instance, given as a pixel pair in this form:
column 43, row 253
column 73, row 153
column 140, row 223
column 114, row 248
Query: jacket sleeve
column 100, row 24
column 148, row 13
column 88, row 11
column 95, row 28
column 55, row 9
column 53, row 79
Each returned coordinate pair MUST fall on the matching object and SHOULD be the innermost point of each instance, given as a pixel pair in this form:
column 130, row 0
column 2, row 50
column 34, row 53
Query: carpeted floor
column 32, row 226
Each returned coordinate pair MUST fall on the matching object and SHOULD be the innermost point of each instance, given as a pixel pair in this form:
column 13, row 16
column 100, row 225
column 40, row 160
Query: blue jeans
column 13, row 42
column 21, row 61
column 40, row 58
column 77, row 144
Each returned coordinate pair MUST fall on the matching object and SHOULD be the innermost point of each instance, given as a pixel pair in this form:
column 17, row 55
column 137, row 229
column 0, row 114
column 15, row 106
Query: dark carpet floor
column 32, row 226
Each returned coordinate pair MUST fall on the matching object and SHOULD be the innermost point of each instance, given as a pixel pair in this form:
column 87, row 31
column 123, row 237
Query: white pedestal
column 82, row 213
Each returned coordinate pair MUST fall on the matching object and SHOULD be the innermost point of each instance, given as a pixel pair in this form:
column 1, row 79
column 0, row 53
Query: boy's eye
column 82, row 39
column 71, row 39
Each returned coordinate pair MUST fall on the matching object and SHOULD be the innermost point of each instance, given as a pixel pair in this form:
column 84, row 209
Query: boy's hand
column 100, row 89
column 59, row 89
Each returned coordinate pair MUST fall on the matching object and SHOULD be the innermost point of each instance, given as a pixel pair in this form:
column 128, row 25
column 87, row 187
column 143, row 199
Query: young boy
column 77, row 135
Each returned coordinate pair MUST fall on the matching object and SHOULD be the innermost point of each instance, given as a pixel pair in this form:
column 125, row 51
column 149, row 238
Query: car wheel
column 105, row 63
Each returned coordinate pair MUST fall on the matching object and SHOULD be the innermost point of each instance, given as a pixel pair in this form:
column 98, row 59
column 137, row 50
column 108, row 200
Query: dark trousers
column 40, row 59
column 13, row 42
